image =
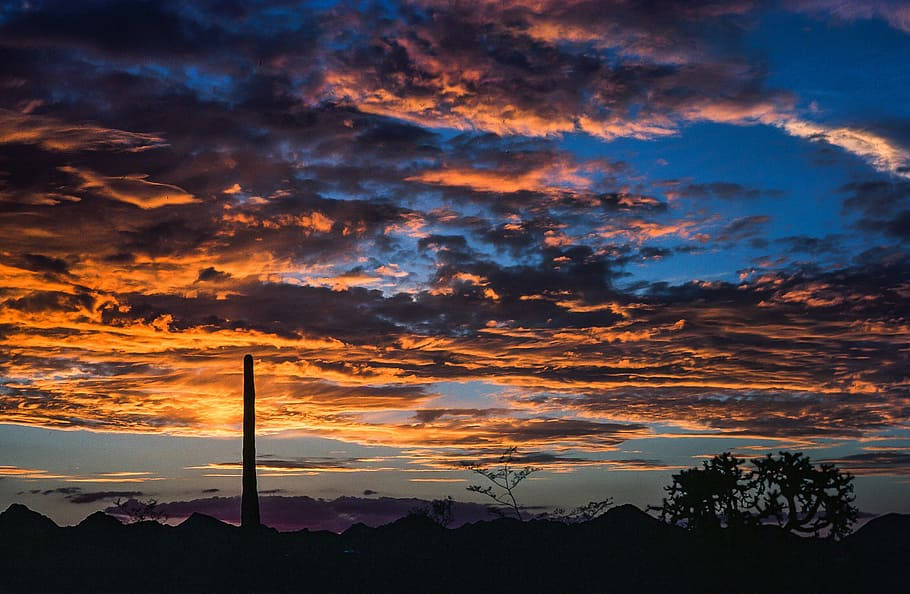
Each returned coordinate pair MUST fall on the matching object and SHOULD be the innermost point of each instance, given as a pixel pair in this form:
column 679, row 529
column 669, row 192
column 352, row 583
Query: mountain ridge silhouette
column 623, row 550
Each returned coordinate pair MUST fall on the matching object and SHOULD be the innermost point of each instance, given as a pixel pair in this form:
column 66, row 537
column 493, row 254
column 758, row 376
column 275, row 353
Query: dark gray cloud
column 68, row 491
column 883, row 206
column 743, row 228
column 876, row 463
column 814, row 246
column 46, row 264
column 210, row 274
column 95, row 496
column 725, row 191
column 759, row 413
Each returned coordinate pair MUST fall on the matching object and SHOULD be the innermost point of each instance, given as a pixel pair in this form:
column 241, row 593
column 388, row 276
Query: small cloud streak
column 132, row 189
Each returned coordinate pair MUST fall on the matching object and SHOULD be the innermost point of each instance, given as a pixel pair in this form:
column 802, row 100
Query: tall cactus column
column 249, row 504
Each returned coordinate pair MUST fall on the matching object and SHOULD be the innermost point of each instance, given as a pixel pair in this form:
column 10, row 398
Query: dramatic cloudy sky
column 620, row 235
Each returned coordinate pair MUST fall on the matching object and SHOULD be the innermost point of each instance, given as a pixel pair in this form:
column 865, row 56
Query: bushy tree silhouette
column 803, row 498
column 786, row 489
column 708, row 498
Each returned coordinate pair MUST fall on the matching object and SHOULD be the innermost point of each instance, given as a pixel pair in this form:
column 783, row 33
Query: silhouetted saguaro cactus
column 249, row 503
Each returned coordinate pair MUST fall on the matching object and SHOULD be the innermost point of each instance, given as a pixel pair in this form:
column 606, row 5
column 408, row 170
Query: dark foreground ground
column 623, row 551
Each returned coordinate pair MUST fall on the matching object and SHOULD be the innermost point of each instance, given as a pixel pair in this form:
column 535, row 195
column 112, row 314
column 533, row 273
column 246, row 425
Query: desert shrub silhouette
column 786, row 489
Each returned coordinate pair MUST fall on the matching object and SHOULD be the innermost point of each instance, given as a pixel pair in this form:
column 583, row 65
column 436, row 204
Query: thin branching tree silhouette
column 505, row 479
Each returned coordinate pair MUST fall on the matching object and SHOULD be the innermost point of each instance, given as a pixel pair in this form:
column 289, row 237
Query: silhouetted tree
column 803, row 498
column 582, row 513
column 138, row 510
column 441, row 511
column 708, row 498
column 505, row 480
column 785, row 489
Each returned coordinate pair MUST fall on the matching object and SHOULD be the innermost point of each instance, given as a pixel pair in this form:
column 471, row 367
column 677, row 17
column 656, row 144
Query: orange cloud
column 547, row 178
column 56, row 135
column 132, row 189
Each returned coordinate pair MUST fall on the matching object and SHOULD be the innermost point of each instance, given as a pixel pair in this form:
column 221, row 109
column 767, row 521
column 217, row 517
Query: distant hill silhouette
column 295, row 512
column 19, row 520
column 625, row 550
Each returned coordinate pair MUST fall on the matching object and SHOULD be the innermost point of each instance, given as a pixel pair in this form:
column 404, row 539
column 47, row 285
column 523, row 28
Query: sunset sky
column 620, row 235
